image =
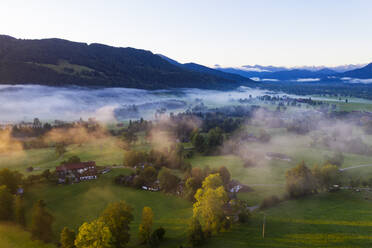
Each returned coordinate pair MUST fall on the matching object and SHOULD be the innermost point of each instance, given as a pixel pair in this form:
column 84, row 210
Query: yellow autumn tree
column 94, row 235
column 210, row 199
column 146, row 225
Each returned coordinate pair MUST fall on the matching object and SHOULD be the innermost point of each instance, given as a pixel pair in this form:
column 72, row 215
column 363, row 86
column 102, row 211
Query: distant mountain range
column 363, row 73
column 315, row 73
column 58, row 62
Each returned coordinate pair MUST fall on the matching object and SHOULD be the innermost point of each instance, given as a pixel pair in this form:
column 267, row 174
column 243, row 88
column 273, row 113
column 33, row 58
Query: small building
column 77, row 172
column 235, row 187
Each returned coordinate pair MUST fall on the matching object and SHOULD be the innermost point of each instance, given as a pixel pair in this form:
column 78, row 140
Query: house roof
column 75, row 166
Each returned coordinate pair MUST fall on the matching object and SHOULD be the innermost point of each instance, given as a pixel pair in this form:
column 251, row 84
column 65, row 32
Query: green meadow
column 341, row 219
column 103, row 151
column 12, row 236
column 74, row 204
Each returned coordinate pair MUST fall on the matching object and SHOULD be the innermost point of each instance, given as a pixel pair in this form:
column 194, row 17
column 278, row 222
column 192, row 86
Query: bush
column 156, row 237
column 248, row 163
column 243, row 217
column 269, row 202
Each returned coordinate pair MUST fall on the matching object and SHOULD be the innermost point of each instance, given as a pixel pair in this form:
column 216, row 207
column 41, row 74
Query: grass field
column 12, row 236
column 73, row 204
column 342, row 219
column 268, row 176
column 102, row 151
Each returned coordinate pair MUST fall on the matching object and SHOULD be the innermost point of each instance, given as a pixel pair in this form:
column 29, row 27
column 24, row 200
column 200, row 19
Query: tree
column 117, row 217
column 225, row 175
column 60, row 149
column 19, row 211
column 214, row 138
column 191, row 186
column 196, row 235
column 94, row 235
column 146, row 225
column 156, row 237
column 317, row 174
column 11, row 179
column 337, row 159
column 6, row 204
column 168, row 182
column 67, row 238
column 199, row 142
column 134, row 158
column 149, row 174
column 41, row 222
column 210, row 199
column 300, row 181
column 329, row 175
column 46, row 174
column 129, row 137
column 72, row 160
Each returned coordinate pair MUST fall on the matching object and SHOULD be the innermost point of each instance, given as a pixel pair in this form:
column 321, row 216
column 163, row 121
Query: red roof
column 75, row 166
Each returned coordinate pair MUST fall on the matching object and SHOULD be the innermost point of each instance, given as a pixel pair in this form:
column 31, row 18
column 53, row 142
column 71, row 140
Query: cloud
column 270, row 79
column 255, row 69
column 357, row 80
column 307, row 79
column 255, row 79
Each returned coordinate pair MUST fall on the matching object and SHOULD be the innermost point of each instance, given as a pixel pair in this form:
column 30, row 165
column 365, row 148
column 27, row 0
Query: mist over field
column 25, row 102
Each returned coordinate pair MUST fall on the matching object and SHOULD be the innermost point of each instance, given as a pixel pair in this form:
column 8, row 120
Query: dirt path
column 356, row 166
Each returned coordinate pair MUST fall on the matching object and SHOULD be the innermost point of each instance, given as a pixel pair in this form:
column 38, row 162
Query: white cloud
column 270, row 79
column 307, row 79
column 357, row 80
column 255, row 78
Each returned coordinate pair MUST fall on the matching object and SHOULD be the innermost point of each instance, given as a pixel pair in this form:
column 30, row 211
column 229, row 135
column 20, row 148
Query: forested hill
column 58, row 62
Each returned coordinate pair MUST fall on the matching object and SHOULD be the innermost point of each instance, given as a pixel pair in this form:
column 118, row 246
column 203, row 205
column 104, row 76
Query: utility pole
column 263, row 226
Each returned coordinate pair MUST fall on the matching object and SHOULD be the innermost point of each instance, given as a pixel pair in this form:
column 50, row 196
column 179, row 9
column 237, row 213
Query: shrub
column 269, row 202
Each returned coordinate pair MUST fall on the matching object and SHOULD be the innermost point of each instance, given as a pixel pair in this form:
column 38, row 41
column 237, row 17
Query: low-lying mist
column 25, row 102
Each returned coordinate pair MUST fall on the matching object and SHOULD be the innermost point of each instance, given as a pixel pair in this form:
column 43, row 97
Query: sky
column 228, row 33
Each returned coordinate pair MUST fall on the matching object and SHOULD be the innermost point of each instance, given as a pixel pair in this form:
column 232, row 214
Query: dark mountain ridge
column 58, row 62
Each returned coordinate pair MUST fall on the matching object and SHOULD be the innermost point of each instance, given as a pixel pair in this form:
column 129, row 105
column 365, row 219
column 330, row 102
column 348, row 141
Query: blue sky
column 229, row 33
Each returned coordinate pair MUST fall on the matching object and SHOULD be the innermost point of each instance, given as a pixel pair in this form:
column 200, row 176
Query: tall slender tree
column 41, row 222
column 6, row 204
column 19, row 210
column 146, row 225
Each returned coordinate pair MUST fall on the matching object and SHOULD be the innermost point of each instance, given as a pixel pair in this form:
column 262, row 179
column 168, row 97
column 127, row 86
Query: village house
column 77, row 172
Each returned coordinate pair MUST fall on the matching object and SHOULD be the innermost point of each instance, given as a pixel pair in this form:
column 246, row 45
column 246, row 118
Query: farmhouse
column 77, row 172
